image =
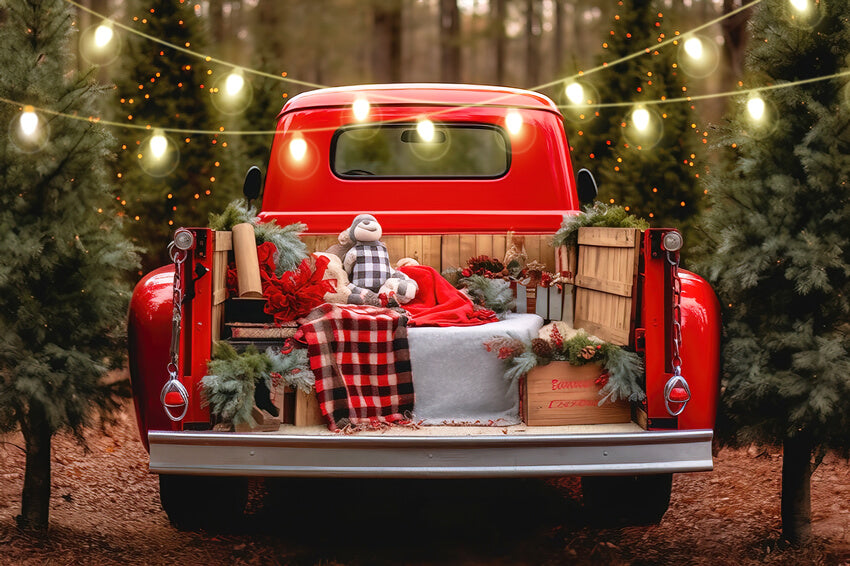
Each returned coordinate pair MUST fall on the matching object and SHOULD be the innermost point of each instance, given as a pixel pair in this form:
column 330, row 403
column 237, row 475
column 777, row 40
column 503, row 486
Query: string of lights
column 109, row 23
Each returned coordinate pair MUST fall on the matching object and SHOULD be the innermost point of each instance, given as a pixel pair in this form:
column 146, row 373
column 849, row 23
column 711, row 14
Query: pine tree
column 163, row 87
column 656, row 178
column 780, row 248
column 62, row 303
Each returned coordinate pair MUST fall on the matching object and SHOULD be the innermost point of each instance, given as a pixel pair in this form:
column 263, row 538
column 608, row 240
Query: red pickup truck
column 499, row 163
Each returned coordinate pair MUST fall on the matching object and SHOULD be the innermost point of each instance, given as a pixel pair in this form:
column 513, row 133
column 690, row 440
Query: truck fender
column 700, row 351
column 149, row 344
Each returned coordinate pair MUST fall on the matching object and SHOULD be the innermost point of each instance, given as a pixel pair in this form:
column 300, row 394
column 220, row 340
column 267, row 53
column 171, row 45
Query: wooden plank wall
column 450, row 250
column 605, row 282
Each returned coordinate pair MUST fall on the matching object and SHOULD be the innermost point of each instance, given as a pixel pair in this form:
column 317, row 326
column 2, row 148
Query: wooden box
column 563, row 394
column 307, row 410
column 605, row 282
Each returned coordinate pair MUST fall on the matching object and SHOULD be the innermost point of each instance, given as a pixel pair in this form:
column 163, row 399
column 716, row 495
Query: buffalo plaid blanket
column 360, row 357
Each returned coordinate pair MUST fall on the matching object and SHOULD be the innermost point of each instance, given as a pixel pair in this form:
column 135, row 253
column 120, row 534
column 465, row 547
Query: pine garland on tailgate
column 494, row 294
column 599, row 214
column 559, row 342
column 232, row 378
column 291, row 251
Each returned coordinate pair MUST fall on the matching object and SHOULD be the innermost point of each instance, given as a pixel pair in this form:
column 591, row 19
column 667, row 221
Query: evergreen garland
column 293, row 367
column 624, row 369
column 291, row 251
column 597, row 215
column 494, row 294
column 229, row 387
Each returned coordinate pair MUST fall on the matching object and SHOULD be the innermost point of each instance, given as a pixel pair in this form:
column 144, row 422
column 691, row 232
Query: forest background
column 285, row 47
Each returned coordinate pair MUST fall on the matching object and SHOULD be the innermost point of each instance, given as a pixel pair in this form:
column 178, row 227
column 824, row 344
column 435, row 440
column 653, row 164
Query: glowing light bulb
column 640, row 118
column 425, row 129
column 29, row 121
column 755, row 107
column 693, row 47
column 575, row 93
column 103, row 35
column 298, row 149
column 800, row 5
column 361, row 108
column 233, row 84
column 158, row 145
column 513, row 121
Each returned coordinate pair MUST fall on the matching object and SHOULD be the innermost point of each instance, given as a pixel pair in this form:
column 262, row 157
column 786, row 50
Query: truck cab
column 452, row 172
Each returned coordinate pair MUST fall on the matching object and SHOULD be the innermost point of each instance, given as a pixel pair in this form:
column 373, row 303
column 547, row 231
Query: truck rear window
column 410, row 150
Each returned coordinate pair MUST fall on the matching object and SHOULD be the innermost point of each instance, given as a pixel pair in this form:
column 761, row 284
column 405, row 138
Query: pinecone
column 588, row 352
column 541, row 348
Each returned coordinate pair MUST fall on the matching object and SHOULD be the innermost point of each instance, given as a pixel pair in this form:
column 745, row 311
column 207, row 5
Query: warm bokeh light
column 425, row 129
column 361, row 109
column 755, row 108
column 298, row 149
column 234, row 84
column 103, row 35
column 29, row 121
column 693, row 47
column 575, row 93
column 640, row 118
column 158, row 145
column 513, row 121
column 800, row 5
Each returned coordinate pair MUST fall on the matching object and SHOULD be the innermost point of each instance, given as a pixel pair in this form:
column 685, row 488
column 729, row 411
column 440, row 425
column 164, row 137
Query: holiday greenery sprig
column 291, row 251
column 232, row 378
column 598, row 214
column 559, row 342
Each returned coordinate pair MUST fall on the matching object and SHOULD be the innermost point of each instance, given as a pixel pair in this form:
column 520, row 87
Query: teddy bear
column 337, row 275
column 372, row 278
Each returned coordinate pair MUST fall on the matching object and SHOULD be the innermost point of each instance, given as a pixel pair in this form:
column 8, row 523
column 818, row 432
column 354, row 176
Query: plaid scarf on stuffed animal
column 361, row 360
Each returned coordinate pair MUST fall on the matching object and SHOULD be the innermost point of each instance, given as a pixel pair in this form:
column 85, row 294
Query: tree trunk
column 499, row 38
column 386, row 42
column 558, row 37
column 796, row 489
column 532, row 49
column 450, row 41
column 35, row 500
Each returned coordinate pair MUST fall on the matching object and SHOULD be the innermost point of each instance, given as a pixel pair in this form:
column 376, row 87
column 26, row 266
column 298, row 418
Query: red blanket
column 360, row 357
column 438, row 303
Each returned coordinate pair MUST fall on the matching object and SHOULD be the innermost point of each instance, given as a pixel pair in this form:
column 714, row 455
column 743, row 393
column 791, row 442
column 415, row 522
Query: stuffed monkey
column 372, row 278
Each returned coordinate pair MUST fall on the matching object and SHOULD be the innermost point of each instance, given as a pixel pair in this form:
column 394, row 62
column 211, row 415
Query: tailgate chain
column 677, row 381
column 173, row 385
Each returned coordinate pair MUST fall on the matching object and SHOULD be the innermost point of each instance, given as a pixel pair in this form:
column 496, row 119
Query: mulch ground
column 105, row 510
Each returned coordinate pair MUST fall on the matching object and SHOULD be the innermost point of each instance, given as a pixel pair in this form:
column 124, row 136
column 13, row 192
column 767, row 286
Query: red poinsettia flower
column 296, row 292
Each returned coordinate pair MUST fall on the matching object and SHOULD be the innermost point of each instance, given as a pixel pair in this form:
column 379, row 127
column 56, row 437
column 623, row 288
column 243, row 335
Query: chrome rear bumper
column 505, row 455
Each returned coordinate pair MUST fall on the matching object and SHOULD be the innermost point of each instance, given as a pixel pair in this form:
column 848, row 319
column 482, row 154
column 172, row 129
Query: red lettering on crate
column 568, row 403
column 558, row 384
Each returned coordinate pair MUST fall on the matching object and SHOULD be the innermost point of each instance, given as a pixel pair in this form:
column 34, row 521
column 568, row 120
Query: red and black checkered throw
column 361, row 360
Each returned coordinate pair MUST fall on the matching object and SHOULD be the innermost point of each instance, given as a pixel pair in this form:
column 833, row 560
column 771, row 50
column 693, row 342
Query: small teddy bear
column 372, row 279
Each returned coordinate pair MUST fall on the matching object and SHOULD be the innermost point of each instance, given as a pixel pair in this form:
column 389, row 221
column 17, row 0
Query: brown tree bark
column 450, row 61
column 386, row 41
column 735, row 41
column 558, row 37
column 532, row 47
column 35, row 500
column 498, row 12
column 796, row 488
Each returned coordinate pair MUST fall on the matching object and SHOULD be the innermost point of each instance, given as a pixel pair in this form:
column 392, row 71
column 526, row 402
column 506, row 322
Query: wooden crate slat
column 467, row 248
column 499, row 246
column 484, row 245
column 450, row 251
column 605, row 282
column 431, row 253
column 608, row 237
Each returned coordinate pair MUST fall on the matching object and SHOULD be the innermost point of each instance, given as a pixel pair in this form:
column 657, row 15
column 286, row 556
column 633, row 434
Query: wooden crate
column 222, row 245
column 563, row 394
column 606, row 277
column 307, row 411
